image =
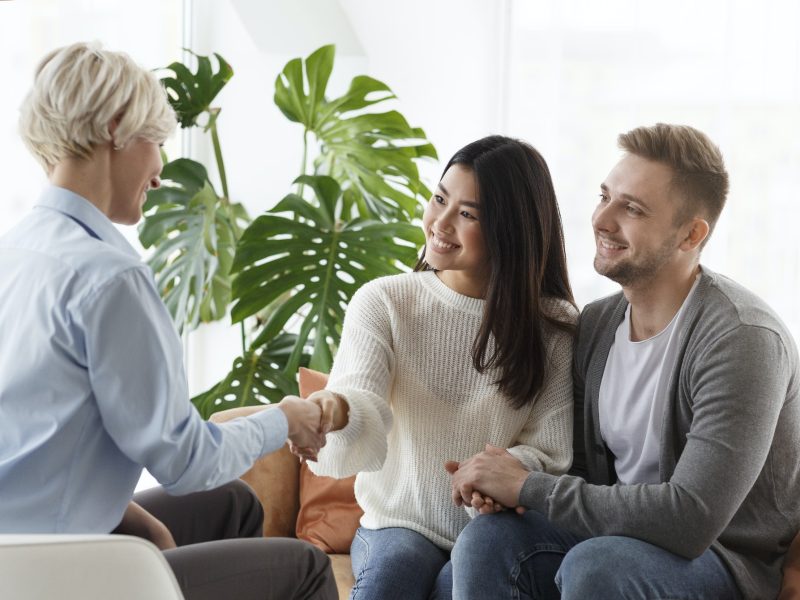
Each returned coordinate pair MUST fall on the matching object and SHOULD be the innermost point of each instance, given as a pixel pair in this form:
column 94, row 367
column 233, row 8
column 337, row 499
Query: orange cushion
column 274, row 478
column 329, row 513
column 791, row 572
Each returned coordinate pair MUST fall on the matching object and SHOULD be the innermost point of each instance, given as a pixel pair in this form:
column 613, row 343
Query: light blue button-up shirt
column 92, row 385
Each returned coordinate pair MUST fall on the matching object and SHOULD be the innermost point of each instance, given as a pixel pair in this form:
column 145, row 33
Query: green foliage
column 296, row 267
column 191, row 94
column 193, row 229
column 256, row 377
column 193, row 240
column 371, row 155
column 312, row 267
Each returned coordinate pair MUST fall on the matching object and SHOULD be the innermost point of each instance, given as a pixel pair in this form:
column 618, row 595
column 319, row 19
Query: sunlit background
column 567, row 76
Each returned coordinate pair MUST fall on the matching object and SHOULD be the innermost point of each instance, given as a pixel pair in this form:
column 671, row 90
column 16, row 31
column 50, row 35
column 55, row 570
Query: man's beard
column 629, row 273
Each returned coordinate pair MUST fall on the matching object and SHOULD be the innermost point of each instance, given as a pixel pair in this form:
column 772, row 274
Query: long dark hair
column 521, row 227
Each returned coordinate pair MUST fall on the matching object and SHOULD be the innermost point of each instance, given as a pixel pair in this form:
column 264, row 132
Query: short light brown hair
column 78, row 90
column 700, row 175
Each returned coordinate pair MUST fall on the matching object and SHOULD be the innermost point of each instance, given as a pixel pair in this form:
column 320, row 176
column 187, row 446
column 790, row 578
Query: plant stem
column 305, row 152
column 218, row 155
column 305, row 159
column 226, row 198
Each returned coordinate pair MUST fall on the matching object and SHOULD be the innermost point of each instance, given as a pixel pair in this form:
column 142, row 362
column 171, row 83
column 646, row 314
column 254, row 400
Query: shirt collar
column 75, row 206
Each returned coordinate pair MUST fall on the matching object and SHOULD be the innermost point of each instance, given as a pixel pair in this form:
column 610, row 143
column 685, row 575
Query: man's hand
column 138, row 522
column 494, row 474
column 483, row 504
column 305, row 430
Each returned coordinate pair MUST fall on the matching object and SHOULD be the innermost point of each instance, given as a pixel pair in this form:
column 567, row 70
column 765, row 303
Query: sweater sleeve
column 545, row 443
column 362, row 373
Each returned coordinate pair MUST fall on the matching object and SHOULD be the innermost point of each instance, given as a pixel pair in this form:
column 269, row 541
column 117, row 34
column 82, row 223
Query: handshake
column 311, row 419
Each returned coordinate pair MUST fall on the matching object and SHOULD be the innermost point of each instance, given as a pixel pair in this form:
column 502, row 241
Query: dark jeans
column 221, row 552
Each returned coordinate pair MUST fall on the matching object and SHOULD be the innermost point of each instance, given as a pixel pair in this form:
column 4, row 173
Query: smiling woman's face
column 453, row 236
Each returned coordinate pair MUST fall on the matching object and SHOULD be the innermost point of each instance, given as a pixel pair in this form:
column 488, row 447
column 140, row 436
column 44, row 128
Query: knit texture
column 405, row 367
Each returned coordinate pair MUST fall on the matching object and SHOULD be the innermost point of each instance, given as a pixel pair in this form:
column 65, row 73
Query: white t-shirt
column 632, row 397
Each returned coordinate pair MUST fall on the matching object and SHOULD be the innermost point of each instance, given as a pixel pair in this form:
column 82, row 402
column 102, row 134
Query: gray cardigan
column 730, row 452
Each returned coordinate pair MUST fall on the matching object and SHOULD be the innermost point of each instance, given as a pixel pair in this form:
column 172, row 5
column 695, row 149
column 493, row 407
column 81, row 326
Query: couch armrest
column 274, row 478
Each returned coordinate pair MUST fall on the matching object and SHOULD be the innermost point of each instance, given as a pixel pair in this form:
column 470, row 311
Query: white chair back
column 85, row 567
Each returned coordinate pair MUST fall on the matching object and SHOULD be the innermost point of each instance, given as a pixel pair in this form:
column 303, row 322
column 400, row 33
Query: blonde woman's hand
column 303, row 418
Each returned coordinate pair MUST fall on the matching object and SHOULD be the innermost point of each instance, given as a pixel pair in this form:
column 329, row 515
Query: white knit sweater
column 405, row 367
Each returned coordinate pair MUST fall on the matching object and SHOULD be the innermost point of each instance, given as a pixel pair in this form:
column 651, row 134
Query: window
column 582, row 72
column 148, row 30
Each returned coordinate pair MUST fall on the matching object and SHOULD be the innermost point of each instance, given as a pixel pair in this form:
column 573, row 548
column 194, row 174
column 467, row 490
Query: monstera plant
column 287, row 276
column 192, row 228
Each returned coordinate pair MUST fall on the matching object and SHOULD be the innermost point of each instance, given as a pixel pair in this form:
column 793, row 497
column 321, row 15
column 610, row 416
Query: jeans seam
column 355, row 590
column 522, row 557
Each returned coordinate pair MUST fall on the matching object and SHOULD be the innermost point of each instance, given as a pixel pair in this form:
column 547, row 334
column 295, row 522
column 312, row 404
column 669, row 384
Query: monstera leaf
column 191, row 94
column 308, row 267
column 383, row 175
column 193, row 236
column 370, row 154
column 257, row 377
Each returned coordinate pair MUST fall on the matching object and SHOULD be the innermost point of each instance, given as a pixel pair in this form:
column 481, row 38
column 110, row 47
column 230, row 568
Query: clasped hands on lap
column 489, row 482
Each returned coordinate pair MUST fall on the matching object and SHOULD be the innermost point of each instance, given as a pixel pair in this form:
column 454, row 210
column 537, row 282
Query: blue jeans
column 397, row 563
column 525, row 557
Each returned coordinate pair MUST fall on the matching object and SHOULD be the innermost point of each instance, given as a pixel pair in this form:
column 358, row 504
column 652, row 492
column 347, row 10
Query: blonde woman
column 92, row 387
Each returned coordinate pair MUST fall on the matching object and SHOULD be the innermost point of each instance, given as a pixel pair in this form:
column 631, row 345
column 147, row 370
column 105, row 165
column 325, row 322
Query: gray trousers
column 221, row 552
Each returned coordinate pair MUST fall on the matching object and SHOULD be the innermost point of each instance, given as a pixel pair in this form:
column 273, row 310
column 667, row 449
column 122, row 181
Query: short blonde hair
column 78, row 90
column 700, row 174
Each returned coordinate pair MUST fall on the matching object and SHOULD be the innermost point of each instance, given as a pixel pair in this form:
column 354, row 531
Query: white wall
column 148, row 30
column 567, row 76
column 440, row 59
